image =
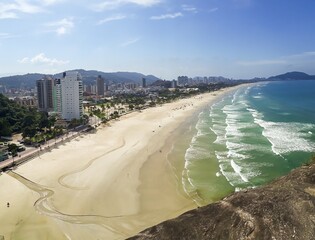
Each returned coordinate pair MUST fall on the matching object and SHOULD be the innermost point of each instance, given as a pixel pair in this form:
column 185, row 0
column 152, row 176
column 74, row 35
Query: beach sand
column 105, row 185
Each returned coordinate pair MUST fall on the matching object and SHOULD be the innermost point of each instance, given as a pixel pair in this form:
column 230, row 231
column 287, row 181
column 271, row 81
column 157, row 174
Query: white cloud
column 129, row 42
column 7, row 15
column 7, row 10
column 213, row 9
column 114, row 4
column 112, row 18
column 11, row 10
column 50, row 2
column 24, row 60
column 302, row 55
column 42, row 59
column 62, row 26
column 25, row 7
column 167, row 16
column 5, row 35
column 189, row 8
column 146, row 3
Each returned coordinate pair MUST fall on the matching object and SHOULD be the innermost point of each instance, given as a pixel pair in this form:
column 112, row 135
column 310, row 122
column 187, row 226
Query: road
column 32, row 152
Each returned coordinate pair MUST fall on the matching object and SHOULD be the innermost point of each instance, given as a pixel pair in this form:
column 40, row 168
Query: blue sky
column 167, row 38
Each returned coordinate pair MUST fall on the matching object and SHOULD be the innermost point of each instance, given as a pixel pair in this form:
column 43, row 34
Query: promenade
column 36, row 152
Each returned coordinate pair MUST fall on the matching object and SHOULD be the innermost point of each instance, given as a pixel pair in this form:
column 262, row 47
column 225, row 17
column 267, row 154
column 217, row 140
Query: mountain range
column 88, row 76
column 293, row 76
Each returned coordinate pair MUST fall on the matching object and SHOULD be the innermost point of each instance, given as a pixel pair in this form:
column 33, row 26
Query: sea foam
column 285, row 137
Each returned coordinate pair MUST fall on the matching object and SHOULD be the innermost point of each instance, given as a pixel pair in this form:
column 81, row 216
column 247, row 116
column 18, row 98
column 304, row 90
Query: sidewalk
column 32, row 153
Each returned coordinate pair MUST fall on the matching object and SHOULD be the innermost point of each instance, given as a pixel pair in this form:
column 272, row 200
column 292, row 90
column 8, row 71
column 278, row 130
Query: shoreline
column 111, row 192
column 256, row 213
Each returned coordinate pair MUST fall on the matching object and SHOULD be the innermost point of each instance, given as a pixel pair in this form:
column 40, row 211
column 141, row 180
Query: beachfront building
column 174, row 84
column 100, row 86
column 26, row 101
column 69, row 96
column 57, row 96
column 182, row 80
column 45, row 94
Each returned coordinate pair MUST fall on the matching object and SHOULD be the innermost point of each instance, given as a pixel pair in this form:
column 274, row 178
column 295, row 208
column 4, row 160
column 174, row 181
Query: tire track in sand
column 61, row 180
column 43, row 205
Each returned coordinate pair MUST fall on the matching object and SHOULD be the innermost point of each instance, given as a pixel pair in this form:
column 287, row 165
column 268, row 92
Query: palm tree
column 108, row 107
column 131, row 107
column 102, row 107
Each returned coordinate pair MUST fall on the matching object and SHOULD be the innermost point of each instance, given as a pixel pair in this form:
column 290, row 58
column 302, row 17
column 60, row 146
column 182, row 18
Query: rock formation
column 282, row 210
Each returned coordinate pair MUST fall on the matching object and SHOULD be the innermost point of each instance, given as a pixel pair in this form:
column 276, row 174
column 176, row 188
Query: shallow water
column 249, row 138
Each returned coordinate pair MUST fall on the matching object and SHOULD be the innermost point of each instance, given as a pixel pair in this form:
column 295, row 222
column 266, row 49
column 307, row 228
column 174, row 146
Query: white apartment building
column 70, row 96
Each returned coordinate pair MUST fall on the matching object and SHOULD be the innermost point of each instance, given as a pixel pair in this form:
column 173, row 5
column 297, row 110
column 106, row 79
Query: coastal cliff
column 283, row 209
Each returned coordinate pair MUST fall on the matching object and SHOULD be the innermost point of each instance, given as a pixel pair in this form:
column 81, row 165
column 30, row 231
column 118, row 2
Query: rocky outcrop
column 283, row 209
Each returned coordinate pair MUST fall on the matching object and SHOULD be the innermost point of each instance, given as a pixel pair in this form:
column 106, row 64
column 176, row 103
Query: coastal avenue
column 33, row 152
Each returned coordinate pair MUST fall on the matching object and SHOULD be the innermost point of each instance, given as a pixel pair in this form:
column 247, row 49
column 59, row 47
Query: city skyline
column 231, row 38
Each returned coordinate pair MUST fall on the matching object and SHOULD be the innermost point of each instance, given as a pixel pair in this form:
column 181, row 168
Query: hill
column 89, row 76
column 20, row 81
column 293, row 76
column 284, row 209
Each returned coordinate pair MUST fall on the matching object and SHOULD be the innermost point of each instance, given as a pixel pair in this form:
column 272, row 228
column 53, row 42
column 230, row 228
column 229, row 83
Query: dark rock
column 283, row 209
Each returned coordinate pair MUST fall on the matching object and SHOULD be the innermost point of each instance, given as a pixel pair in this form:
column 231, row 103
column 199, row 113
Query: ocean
column 249, row 138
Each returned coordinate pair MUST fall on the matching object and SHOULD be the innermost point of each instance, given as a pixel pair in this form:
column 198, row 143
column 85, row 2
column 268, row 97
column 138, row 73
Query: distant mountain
column 89, row 76
column 293, row 76
column 19, row 81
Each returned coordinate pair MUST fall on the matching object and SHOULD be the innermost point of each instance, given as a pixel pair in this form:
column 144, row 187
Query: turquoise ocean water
column 249, row 138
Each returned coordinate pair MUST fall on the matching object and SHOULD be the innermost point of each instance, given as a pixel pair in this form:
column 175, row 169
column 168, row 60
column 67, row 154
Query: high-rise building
column 174, row 84
column 69, row 95
column 144, row 83
column 45, row 94
column 57, row 96
column 182, row 80
column 100, row 85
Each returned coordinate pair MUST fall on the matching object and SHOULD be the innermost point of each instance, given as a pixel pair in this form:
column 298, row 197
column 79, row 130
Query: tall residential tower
column 100, row 85
column 69, row 95
column 45, row 94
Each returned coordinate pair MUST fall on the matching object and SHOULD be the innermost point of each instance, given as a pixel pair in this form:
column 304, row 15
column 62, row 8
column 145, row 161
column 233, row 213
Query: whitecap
column 285, row 137
column 238, row 170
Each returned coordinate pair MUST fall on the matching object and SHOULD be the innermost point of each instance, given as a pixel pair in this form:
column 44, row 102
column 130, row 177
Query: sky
column 166, row 38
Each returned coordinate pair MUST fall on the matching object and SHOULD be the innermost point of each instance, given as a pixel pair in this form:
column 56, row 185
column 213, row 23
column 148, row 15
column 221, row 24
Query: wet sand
column 107, row 185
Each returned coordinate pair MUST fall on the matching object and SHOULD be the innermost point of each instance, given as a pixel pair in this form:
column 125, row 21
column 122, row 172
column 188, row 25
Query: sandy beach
column 105, row 185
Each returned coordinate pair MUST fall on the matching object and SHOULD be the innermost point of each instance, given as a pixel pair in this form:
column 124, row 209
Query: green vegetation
column 12, row 116
column 35, row 126
column 113, row 108
column 77, row 122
